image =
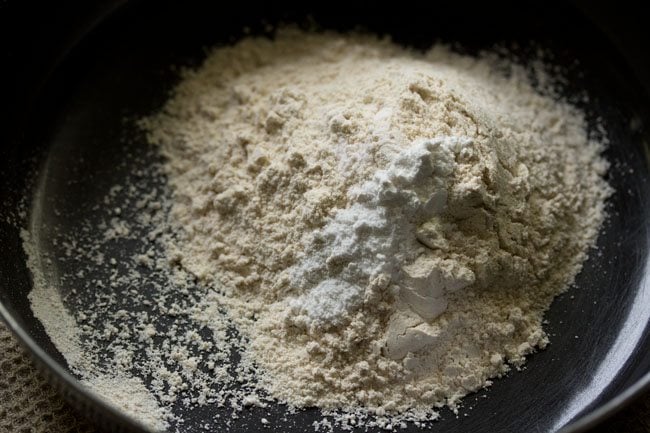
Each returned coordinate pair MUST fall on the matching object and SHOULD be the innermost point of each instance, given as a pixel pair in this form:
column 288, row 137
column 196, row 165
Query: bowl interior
column 76, row 138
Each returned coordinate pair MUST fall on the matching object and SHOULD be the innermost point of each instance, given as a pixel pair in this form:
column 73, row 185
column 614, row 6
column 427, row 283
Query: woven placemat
column 28, row 404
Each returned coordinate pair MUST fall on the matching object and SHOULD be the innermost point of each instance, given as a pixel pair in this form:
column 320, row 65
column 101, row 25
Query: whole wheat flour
column 336, row 221
column 385, row 228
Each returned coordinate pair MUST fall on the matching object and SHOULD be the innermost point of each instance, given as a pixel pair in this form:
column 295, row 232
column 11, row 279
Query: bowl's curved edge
column 91, row 406
column 70, row 388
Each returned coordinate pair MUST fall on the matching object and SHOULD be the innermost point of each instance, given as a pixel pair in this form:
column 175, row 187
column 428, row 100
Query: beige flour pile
column 271, row 145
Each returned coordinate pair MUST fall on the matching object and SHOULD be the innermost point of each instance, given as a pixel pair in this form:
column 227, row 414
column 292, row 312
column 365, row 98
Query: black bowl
column 74, row 73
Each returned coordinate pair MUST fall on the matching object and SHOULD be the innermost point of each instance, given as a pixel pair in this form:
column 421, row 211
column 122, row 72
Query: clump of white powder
column 386, row 228
column 375, row 239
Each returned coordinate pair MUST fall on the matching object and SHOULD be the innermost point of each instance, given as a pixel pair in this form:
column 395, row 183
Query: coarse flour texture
column 385, row 227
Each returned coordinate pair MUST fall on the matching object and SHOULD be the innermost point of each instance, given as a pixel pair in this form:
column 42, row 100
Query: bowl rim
column 68, row 386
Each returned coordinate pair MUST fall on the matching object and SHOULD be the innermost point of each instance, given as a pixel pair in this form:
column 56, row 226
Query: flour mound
column 386, row 228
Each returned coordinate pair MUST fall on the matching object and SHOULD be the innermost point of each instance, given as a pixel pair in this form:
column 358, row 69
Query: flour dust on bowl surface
column 311, row 227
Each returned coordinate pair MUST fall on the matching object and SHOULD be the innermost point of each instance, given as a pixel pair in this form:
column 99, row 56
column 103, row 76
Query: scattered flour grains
column 386, row 228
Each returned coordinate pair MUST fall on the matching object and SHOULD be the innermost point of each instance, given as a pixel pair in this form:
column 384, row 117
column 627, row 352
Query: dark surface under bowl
column 74, row 127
